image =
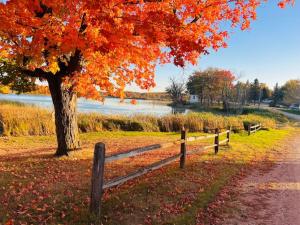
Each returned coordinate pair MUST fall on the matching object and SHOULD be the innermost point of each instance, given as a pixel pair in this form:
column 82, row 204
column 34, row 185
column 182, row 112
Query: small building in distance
column 194, row 99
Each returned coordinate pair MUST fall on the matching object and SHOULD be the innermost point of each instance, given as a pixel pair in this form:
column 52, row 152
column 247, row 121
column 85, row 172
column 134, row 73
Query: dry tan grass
column 20, row 120
column 24, row 120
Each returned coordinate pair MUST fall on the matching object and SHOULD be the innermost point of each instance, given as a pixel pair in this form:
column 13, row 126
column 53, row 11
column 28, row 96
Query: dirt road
column 291, row 116
column 272, row 197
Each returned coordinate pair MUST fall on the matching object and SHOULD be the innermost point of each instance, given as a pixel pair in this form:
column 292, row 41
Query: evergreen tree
column 277, row 96
column 255, row 91
column 266, row 93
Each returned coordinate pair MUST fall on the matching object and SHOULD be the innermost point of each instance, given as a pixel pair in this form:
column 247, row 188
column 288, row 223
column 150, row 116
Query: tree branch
column 73, row 64
column 36, row 73
column 210, row 5
column 83, row 24
column 44, row 10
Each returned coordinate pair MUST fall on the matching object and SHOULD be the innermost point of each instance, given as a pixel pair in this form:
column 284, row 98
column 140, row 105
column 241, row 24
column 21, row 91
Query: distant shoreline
column 129, row 98
column 109, row 107
column 167, row 101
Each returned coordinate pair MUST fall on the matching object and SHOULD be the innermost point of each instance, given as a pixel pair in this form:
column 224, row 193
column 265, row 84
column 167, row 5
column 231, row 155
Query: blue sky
column 269, row 50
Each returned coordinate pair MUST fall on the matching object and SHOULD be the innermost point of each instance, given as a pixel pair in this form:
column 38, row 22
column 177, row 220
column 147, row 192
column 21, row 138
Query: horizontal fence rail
column 254, row 128
column 216, row 143
column 200, row 138
column 100, row 159
column 140, row 172
column 138, row 151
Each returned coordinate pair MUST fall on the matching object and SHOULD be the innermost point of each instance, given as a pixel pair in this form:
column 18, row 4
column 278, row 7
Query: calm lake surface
column 110, row 106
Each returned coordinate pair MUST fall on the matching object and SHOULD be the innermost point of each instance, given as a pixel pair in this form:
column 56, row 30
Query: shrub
column 90, row 123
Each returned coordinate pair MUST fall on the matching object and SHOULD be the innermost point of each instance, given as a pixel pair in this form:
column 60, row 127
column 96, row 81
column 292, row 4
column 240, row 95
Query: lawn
column 40, row 189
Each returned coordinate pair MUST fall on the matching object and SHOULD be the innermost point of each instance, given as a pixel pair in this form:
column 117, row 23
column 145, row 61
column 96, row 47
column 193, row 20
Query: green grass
column 245, row 150
column 167, row 196
column 86, row 138
column 170, row 195
column 279, row 117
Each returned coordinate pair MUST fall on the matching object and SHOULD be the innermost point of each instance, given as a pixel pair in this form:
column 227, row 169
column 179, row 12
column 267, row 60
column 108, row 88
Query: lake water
column 110, row 106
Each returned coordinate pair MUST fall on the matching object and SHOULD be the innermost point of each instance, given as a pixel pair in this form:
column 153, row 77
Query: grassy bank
column 37, row 188
column 17, row 119
column 296, row 112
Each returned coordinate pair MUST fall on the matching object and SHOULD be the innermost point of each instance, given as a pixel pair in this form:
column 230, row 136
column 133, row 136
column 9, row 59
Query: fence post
column 97, row 178
column 249, row 129
column 217, row 140
column 228, row 135
column 183, row 148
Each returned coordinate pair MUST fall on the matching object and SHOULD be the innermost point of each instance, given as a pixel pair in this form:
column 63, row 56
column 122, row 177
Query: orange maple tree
column 212, row 85
column 89, row 47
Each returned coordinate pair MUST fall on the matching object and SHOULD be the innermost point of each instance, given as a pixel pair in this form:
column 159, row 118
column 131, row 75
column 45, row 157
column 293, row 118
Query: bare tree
column 241, row 94
column 176, row 90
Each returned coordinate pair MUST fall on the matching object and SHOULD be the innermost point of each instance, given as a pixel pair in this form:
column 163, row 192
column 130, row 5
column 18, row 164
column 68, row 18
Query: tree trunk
column 225, row 105
column 65, row 107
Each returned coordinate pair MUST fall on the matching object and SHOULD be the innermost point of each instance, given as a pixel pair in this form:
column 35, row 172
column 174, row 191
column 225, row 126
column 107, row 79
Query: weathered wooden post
column 249, row 129
column 97, row 178
column 183, row 148
column 228, row 135
column 216, row 140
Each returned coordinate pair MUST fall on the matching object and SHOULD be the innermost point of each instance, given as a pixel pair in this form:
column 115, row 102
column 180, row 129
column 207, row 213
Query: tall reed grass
column 19, row 120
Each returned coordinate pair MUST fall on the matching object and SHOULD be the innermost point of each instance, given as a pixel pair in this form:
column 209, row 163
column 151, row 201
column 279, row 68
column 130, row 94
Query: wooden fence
column 253, row 128
column 100, row 159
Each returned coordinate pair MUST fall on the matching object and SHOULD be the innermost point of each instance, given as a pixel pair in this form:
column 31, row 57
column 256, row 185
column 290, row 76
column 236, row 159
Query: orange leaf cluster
column 118, row 41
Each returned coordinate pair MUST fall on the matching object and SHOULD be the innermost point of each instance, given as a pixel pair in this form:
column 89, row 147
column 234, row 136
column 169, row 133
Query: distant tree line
column 44, row 90
column 159, row 96
column 287, row 94
column 217, row 86
column 211, row 85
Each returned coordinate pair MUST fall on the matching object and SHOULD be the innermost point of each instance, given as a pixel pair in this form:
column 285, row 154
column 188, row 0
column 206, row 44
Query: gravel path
column 291, row 115
column 271, row 198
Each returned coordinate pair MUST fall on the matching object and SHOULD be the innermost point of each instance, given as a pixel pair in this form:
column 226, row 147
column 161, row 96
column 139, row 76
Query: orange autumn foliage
column 101, row 46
